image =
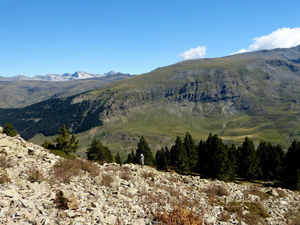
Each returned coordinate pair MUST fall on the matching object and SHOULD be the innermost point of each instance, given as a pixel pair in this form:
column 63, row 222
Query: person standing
column 142, row 159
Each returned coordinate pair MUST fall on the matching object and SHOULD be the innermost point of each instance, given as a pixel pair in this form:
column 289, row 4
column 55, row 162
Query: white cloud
column 281, row 38
column 194, row 53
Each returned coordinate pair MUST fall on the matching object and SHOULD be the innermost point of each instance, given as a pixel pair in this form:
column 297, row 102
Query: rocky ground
column 35, row 190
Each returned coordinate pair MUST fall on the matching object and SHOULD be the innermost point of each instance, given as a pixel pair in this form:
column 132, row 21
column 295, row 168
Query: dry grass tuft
column 3, row 161
column 88, row 166
column 4, row 177
column 106, row 180
column 179, row 216
column 293, row 216
column 147, row 175
column 281, row 193
column 215, row 191
column 256, row 191
column 64, row 169
column 3, row 173
column 126, row 174
column 35, row 175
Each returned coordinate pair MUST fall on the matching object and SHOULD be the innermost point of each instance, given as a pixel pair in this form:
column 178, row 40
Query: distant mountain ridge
column 78, row 75
column 21, row 91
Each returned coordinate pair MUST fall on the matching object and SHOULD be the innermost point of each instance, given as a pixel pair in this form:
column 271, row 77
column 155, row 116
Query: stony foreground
column 127, row 194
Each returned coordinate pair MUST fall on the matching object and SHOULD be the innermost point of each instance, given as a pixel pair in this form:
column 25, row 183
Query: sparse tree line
column 210, row 159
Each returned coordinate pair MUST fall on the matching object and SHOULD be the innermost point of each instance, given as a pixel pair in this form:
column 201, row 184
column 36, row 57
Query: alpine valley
column 252, row 94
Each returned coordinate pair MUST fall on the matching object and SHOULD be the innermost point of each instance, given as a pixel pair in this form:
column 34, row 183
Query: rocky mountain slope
column 37, row 187
column 255, row 94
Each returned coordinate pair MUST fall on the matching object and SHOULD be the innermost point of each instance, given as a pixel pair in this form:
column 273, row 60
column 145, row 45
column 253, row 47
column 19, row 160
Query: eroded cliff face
column 128, row 194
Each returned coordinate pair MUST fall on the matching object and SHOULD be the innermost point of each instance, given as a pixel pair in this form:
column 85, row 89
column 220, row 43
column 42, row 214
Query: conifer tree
column 248, row 167
column 161, row 160
column 179, row 158
column 270, row 160
column 9, row 130
column 129, row 158
column 99, row 152
column 292, row 166
column 144, row 148
column 213, row 159
column 191, row 151
column 118, row 159
column 64, row 142
column 202, row 163
column 168, row 155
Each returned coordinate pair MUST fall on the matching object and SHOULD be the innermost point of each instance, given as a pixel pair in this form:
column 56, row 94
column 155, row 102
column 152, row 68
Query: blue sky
column 135, row 36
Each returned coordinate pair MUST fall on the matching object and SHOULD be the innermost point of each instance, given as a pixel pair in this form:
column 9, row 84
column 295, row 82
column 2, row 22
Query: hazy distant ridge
column 78, row 75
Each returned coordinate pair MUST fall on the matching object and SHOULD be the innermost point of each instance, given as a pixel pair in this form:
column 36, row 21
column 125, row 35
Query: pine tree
column 129, row 158
column 64, row 142
column 220, row 166
column 270, row 160
column 179, row 158
column 161, row 160
column 292, row 167
column 144, row 148
column 202, row 163
column 48, row 145
column 168, row 155
column 191, row 150
column 248, row 167
column 213, row 159
column 9, row 130
column 118, row 159
column 99, row 152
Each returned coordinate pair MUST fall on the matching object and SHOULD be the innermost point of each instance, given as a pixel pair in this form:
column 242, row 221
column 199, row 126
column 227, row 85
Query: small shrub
column 213, row 191
column 173, row 179
column 146, row 175
column 35, row 175
column 234, row 207
column 106, row 180
column 126, row 174
column 256, row 212
column 256, row 191
column 292, row 216
column 180, row 216
column 281, row 193
column 88, row 166
column 64, row 169
column 216, row 190
column 257, row 209
column 3, row 162
column 224, row 216
column 4, row 177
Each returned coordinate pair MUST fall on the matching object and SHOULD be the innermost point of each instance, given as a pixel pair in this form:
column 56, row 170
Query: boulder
column 67, row 199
